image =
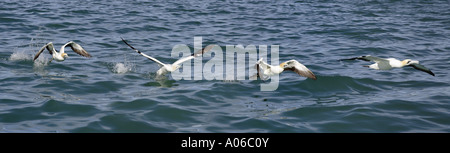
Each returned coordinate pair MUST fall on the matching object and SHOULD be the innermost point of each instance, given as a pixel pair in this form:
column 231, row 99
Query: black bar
column 224, row 142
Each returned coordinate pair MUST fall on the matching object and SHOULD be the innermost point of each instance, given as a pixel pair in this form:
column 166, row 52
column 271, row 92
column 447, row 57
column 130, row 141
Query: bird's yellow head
column 409, row 61
column 282, row 65
column 175, row 67
column 64, row 55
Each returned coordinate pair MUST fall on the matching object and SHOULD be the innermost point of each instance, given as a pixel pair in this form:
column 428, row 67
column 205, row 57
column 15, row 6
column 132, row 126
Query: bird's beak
column 406, row 62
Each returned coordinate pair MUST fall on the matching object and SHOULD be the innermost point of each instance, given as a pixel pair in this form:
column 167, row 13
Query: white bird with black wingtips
column 291, row 65
column 61, row 55
column 390, row 63
column 166, row 68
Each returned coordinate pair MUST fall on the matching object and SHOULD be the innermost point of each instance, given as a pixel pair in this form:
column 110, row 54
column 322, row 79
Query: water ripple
column 116, row 91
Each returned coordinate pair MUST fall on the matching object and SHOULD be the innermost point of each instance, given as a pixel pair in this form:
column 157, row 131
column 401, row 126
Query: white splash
column 26, row 51
column 20, row 56
column 121, row 68
column 41, row 62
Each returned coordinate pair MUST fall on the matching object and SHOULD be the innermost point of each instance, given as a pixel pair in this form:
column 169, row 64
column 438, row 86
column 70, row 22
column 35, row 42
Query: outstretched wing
column 196, row 54
column 263, row 65
column 49, row 47
column 145, row 55
column 300, row 69
column 76, row 48
column 366, row 58
column 260, row 67
column 259, row 73
column 422, row 68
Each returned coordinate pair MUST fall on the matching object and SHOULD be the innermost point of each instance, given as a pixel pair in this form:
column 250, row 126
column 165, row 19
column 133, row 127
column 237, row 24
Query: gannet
column 61, row 56
column 165, row 68
column 291, row 65
column 390, row 63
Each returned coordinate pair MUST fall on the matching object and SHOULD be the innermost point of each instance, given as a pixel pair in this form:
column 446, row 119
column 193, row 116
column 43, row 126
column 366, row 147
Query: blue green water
column 115, row 91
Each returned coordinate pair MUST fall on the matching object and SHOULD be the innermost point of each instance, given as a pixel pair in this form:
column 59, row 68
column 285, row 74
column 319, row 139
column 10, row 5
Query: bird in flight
column 291, row 65
column 166, row 68
column 61, row 55
column 390, row 63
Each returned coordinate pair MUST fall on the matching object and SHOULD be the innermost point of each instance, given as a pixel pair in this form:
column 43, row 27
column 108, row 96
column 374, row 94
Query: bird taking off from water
column 61, row 55
column 291, row 65
column 390, row 63
column 166, row 68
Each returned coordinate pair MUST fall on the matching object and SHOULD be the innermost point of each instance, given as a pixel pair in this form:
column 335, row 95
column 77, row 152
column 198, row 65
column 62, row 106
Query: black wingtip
column 257, row 71
column 124, row 40
column 422, row 68
column 128, row 44
column 355, row 58
column 429, row 72
column 347, row 59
